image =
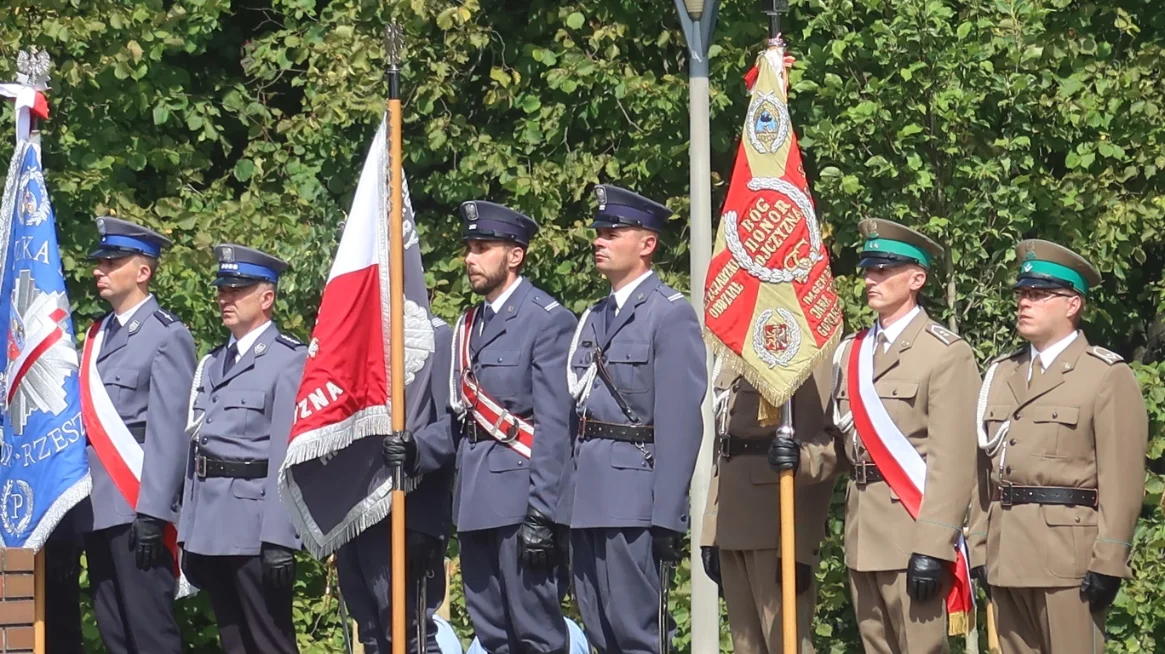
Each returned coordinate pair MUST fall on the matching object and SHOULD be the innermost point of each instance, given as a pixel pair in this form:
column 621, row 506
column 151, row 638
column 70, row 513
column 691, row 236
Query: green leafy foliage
column 980, row 121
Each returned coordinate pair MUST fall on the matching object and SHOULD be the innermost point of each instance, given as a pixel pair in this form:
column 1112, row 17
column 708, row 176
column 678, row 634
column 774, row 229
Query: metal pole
column 699, row 21
column 393, row 42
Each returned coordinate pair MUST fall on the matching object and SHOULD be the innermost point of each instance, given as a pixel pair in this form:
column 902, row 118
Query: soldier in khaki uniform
column 926, row 378
column 1063, row 432
column 742, row 532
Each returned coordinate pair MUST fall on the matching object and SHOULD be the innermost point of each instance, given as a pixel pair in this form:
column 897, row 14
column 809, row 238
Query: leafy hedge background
column 980, row 121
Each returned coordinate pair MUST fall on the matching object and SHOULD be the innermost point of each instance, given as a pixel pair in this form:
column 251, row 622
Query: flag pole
column 393, row 44
column 38, row 621
column 788, row 545
column 698, row 18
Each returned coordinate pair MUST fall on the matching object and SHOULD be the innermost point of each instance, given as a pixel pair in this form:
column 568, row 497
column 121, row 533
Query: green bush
column 979, row 121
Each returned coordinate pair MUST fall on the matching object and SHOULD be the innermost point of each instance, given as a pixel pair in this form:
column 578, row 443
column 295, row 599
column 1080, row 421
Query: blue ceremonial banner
column 43, row 466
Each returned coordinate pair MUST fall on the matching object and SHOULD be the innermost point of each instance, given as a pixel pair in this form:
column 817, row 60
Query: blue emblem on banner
column 43, row 466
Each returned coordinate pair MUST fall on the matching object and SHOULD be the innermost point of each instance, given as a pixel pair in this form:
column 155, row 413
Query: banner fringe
column 66, row 501
column 774, row 395
column 309, row 446
column 961, row 623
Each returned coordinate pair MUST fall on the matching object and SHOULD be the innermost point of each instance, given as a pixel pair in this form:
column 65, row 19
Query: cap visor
column 111, row 253
column 880, row 261
column 236, row 281
column 1042, row 282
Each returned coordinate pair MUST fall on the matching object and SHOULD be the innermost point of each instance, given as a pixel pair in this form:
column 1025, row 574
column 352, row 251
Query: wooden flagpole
column 38, row 598
column 393, row 44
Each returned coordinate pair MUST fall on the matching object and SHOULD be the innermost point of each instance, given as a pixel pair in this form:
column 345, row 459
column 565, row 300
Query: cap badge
column 471, row 211
column 873, row 233
column 101, row 226
column 1030, row 253
column 601, row 196
column 228, row 255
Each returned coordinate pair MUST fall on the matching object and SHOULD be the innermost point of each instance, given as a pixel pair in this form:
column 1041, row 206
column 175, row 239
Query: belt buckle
column 860, row 477
column 725, row 448
column 200, row 466
column 1006, row 497
column 507, row 436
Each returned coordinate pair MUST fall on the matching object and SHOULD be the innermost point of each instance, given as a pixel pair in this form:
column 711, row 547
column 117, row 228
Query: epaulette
column 1107, row 356
column 437, row 322
column 670, row 293
column 544, row 302
column 1010, row 355
column 165, row 317
column 944, row 335
column 289, row 341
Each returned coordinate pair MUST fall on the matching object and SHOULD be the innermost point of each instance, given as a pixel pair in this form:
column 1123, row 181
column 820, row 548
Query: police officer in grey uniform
column 638, row 371
column 510, row 462
column 364, row 564
column 238, row 542
column 146, row 363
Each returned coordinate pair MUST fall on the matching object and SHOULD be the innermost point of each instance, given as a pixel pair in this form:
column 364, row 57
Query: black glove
column 666, row 545
column 423, row 551
column 801, row 571
column 924, row 577
column 979, row 574
column 1099, row 589
column 278, row 564
column 711, row 558
column 785, row 454
column 536, row 541
column 145, row 540
column 400, row 450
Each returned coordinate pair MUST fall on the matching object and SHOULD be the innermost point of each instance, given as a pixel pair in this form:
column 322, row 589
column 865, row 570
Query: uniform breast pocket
column 124, row 381
column 246, row 410
column 898, row 390
column 497, row 370
column 628, row 364
column 1057, row 428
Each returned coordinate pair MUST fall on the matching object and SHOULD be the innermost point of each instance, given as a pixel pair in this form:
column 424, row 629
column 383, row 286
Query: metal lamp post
column 699, row 21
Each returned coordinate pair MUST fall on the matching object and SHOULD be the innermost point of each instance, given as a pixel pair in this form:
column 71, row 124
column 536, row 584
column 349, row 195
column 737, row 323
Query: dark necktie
column 486, row 316
column 229, row 361
column 111, row 328
column 609, row 313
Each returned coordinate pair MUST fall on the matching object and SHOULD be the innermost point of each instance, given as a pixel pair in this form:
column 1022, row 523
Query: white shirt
column 623, row 294
column 894, row 331
column 248, row 340
column 125, row 316
column 1048, row 356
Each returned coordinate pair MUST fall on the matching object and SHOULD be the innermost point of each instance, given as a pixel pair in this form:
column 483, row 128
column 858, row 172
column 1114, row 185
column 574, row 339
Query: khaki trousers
column 1047, row 621
column 753, row 597
column 892, row 623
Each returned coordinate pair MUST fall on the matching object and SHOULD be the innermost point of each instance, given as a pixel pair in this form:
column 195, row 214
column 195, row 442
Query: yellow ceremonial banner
column 771, row 312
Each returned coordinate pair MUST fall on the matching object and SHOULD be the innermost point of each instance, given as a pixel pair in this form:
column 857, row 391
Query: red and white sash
column 120, row 454
column 503, row 426
column 901, row 465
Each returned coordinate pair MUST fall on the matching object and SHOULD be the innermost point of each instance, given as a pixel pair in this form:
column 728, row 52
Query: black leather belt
column 627, row 433
column 205, row 466
column 731, row 446
column 866, row 473
column 1010, row 494
column 139, row 433
column 475, row 433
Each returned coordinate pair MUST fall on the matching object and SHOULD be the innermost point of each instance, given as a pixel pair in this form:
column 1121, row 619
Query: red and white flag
column 333, row 479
